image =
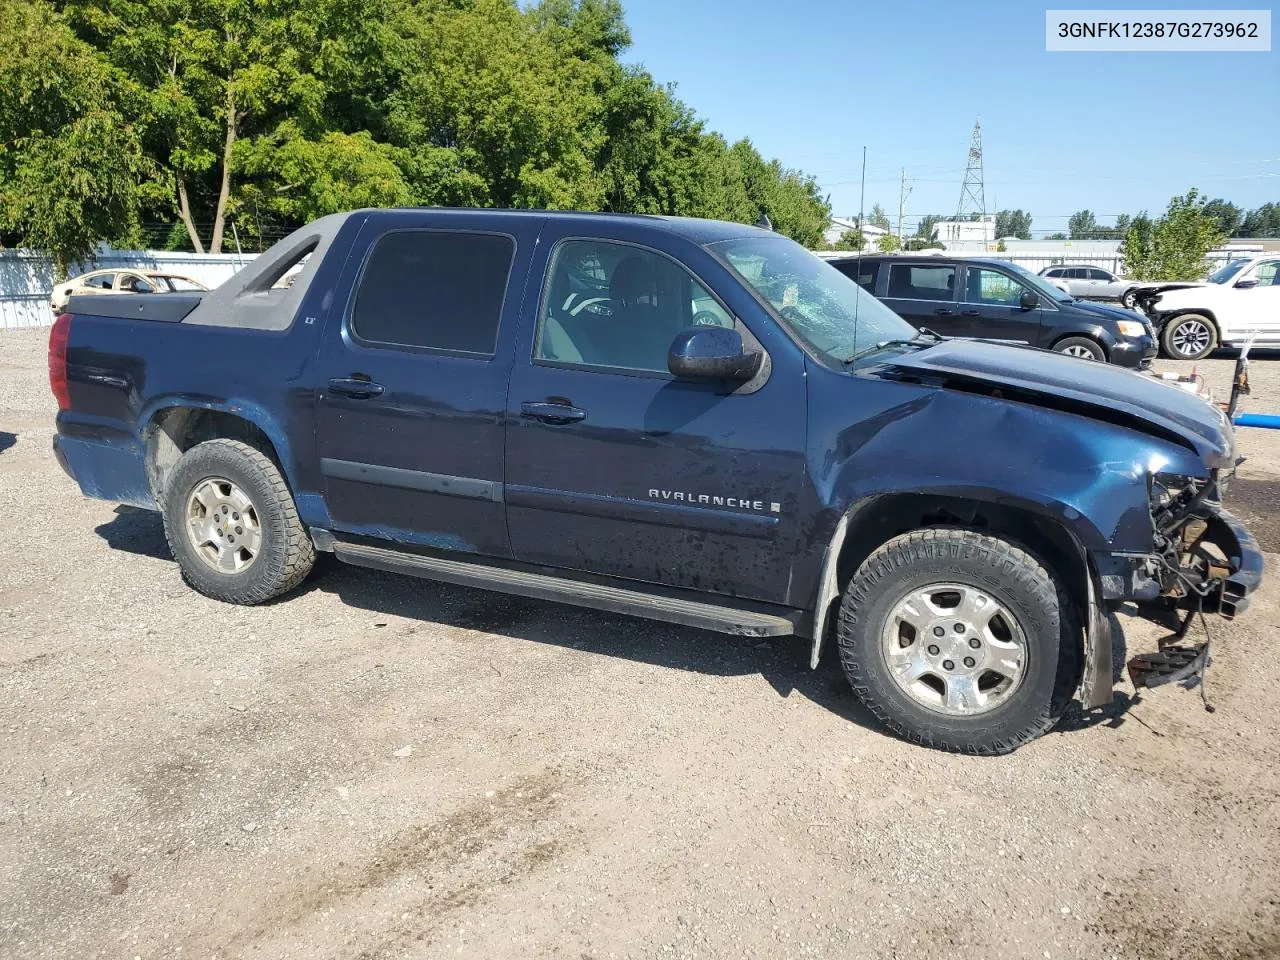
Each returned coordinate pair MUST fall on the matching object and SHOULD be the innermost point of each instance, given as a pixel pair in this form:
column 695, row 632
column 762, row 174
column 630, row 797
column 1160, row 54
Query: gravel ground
column 383, row 767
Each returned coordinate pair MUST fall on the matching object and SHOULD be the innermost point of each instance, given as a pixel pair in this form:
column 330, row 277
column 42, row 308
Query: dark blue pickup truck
column 685, row 420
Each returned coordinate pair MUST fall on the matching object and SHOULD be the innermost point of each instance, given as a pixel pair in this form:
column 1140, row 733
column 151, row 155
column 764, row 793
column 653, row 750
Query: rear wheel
column 1189, row 337
column 1081, row 347
column 959, row 641
column 232, row 524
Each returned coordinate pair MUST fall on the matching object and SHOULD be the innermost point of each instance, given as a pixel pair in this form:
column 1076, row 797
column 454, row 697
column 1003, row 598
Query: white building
column 840, row 225
column 965, row 231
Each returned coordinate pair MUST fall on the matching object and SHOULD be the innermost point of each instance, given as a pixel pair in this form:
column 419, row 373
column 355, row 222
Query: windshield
column 1040, row 284
column 1223, row 274
column 829, row 312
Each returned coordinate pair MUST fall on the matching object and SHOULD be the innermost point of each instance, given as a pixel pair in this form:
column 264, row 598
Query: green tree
column 1057, row 236
column 1262, row 222
column 1228, row 215
column 920, row 243
column 850, row 240
column 888, row 243
column 1122, row 226
column 878, row 218
column 1082, row 225
column 924, row 228
column 72, row 168
column 1174, row 246
column 1013, row 223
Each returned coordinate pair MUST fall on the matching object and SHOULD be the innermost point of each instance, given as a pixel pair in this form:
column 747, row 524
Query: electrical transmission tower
column 971, row 195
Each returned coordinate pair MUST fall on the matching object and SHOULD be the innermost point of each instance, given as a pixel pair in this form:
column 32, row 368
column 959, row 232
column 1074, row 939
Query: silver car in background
column 1092, row 283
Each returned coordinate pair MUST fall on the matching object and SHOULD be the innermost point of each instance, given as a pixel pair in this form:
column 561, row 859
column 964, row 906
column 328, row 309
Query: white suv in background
column 1240, row 303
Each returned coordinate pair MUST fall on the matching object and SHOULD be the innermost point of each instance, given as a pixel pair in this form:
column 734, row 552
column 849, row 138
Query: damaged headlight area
column 1197, row 546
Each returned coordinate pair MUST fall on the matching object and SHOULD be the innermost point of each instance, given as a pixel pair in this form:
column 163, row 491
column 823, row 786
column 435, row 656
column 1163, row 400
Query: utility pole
column 903, row 190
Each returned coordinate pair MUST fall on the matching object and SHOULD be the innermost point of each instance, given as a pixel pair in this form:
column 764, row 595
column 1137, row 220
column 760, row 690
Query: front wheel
column 959, row 641
column 1081, row 347
column 232, row 524
column 1129, row 299
column 1189, row 337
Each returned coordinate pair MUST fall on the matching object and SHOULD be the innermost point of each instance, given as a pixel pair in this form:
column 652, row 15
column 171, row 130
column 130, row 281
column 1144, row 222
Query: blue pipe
column 1267, row 420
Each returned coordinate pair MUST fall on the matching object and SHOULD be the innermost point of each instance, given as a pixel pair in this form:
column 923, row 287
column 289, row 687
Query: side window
column 1058, row 273
column 1075, row 273
column 993, row 287
column 908, row 281
column 613, row 305
column 439, row 290
column 131, row 283
column 1267, row 274
column 103, row 281
column 864, row 273
column 1100, row 275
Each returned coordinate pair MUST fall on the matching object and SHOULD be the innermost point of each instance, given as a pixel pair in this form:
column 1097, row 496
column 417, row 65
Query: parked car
column 995, row 299
column 685, row 420
column 1239, row 303
column 121, row 281
column 1093, row 283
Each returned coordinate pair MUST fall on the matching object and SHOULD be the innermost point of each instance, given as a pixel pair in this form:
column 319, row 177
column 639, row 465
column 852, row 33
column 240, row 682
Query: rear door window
column 912, row 281
column 433, row 290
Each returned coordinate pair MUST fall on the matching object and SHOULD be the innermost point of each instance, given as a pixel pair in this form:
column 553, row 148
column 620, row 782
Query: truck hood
column 1096, row 390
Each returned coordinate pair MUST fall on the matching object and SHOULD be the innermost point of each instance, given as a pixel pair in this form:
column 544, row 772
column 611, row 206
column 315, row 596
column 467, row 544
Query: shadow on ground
column 7, row 440
column 783, row 662
column 135, row 531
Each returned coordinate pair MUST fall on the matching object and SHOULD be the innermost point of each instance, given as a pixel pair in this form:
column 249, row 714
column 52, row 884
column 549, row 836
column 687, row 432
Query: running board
column 691, row 613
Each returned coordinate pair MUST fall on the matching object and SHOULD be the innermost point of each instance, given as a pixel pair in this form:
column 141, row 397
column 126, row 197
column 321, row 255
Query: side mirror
column 711, row 353
column 1246, row 283
column 1029, row 300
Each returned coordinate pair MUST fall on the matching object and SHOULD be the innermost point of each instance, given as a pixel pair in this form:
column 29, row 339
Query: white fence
column 27, row 277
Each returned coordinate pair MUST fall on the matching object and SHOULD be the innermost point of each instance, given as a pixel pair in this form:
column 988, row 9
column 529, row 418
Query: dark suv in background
column 994, row 299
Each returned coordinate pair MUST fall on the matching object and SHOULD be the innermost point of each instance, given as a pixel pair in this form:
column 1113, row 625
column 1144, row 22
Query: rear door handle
column 970, row 313
column 354, row 388
column 552, row 412
column 942, row 312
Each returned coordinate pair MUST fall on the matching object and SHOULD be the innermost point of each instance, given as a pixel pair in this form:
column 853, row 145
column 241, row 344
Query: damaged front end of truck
column 1203, row 562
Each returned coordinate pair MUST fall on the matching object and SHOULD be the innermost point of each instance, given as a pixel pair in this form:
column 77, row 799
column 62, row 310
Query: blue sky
column 1113, row 132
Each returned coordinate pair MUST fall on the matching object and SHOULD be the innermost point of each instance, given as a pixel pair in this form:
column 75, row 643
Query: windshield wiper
column 925, row 336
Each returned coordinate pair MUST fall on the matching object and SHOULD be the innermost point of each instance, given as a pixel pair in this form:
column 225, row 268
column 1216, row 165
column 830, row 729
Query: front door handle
column 942, row 312
column 552, row 412
column 970, row 313
column 355, row 388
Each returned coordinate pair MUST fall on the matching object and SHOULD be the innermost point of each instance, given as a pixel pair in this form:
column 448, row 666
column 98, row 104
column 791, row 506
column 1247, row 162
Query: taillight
column 58, row 338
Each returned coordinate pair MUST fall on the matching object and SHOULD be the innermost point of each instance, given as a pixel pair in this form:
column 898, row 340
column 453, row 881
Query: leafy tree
column 888, row 243
column 1056, row 236
column 1122, row 226
column 1228, row 215
column 1013, row 223
column 1174, row 246
column 271, row 113
column 878, row 218
column 924, row 229
column 850, row 240
column 72, row 168
column 920, row 243
column 1082, row 225
column 1262, row 222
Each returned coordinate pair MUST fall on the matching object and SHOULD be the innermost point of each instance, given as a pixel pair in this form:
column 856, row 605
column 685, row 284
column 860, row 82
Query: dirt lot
column 385, row 767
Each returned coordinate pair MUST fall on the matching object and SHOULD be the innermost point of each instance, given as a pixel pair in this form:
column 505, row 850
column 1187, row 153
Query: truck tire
column 959, row 641
column 1189, row 337
column 1082, row 347
column 232, row 525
